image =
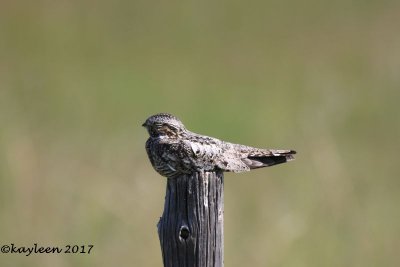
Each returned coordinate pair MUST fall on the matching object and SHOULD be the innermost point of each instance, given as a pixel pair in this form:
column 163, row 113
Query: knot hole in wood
column 184, row 232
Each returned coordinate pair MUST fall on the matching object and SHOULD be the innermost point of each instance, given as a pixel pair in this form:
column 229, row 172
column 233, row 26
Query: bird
column 175, row 151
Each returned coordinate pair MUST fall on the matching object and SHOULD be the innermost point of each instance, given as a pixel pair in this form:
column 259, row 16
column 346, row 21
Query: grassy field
column 78, row 78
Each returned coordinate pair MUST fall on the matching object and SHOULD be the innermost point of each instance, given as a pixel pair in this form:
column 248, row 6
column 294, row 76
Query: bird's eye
column 168, row 130
column 169, row 127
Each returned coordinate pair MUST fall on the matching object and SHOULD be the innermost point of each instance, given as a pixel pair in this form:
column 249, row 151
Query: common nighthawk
column 173, row 150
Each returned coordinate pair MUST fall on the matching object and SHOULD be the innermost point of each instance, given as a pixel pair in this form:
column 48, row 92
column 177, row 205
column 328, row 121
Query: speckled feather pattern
column 173, row 150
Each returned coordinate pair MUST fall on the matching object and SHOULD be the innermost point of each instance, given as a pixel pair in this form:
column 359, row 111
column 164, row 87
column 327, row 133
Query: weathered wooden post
column 191, row 227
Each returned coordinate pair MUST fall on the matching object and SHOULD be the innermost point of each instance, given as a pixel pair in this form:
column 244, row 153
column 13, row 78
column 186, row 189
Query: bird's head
column 164, row 125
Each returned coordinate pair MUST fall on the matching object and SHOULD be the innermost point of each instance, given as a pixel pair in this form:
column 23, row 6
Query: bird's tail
column 267, row 158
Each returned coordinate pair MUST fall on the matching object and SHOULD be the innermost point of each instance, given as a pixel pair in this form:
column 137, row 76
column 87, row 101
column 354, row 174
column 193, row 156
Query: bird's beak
column 144, row 124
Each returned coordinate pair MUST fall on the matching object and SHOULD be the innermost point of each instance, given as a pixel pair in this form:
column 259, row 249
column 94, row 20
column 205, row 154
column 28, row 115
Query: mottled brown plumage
column 173, row 150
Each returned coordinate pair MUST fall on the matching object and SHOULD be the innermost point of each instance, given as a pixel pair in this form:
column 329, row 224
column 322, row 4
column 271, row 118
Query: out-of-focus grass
column 78, row 78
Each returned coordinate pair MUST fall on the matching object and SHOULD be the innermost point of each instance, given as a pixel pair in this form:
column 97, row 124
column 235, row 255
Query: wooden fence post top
column 191, row 227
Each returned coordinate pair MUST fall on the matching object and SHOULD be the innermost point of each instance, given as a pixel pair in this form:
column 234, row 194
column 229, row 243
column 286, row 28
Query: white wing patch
column 196, row 148
column 204, row 150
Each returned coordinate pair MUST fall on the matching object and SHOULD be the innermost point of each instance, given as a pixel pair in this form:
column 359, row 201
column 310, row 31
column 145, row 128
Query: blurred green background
column 77, row 79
